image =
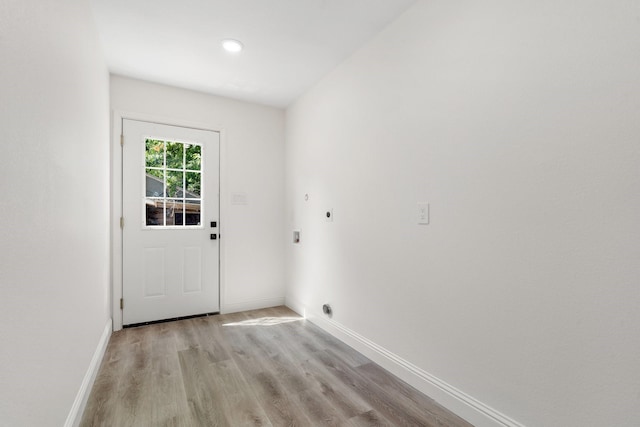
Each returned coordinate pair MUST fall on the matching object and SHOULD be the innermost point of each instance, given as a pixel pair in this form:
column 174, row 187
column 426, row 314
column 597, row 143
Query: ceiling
column 289, row 44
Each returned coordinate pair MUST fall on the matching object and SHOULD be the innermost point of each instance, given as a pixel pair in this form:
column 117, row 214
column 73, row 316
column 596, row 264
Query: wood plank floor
column 258, row 368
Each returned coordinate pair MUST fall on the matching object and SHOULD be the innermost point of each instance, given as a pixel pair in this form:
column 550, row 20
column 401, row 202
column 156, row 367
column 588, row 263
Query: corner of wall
column 80, row 402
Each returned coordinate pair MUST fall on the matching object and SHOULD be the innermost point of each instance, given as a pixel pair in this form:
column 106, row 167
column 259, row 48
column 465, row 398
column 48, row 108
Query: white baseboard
column 254, row 304
column 458, row 402
column 75, row 414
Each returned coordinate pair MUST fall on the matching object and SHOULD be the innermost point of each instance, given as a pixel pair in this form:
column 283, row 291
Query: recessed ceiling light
column 231, row 45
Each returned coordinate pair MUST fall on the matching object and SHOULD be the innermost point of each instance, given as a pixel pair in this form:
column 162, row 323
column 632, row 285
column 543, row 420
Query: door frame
column 117, row 117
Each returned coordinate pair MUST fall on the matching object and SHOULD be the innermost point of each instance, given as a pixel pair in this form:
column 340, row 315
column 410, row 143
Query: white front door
column 170, row 200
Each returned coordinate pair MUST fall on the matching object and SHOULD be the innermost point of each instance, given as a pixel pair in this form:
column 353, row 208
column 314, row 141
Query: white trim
column 222, row 224
column 77, row 409
column 116, row 199
column 253, row 304
column 116, row 212
column 458, row 402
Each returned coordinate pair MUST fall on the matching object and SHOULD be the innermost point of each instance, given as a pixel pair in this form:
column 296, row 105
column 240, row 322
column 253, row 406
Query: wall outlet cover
column 423, row 213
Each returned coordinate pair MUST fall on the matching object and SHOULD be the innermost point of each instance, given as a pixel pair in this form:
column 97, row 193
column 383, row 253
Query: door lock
column 214, row 236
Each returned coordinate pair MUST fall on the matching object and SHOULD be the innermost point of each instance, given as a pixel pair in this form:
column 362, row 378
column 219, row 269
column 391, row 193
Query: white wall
column 54, row 203
column 252, row 163
column 519, row 123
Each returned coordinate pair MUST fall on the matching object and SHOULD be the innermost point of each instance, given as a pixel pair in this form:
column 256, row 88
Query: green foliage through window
column 171, row 168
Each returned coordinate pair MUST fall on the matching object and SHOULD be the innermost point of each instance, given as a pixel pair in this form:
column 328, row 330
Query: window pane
column 175, row 155
column 193, row 185
column 154, row 212
column 193, row 157
column 173, row 195
column 154, row 183
column 174, row 184
column 192, row 212
column 154, row 153
column 175, row 212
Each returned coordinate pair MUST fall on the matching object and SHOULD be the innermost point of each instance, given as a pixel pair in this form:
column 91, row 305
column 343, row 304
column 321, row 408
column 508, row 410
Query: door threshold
column 173, row 319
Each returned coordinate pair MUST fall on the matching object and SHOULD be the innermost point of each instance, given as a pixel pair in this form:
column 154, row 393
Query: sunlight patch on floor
column 265, row 321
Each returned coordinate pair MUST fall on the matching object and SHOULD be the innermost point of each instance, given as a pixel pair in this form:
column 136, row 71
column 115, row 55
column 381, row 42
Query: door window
column 173, row 182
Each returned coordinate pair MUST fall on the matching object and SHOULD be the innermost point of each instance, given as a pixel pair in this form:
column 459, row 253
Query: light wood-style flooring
column 259, row 368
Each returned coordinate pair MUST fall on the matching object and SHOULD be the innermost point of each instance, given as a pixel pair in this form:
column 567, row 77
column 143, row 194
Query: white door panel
column 170, row 197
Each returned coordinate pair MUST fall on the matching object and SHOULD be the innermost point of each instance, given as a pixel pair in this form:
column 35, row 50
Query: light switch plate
column 423, row 213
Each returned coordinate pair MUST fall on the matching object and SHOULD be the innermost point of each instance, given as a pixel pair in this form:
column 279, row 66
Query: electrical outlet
column 423, row 213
